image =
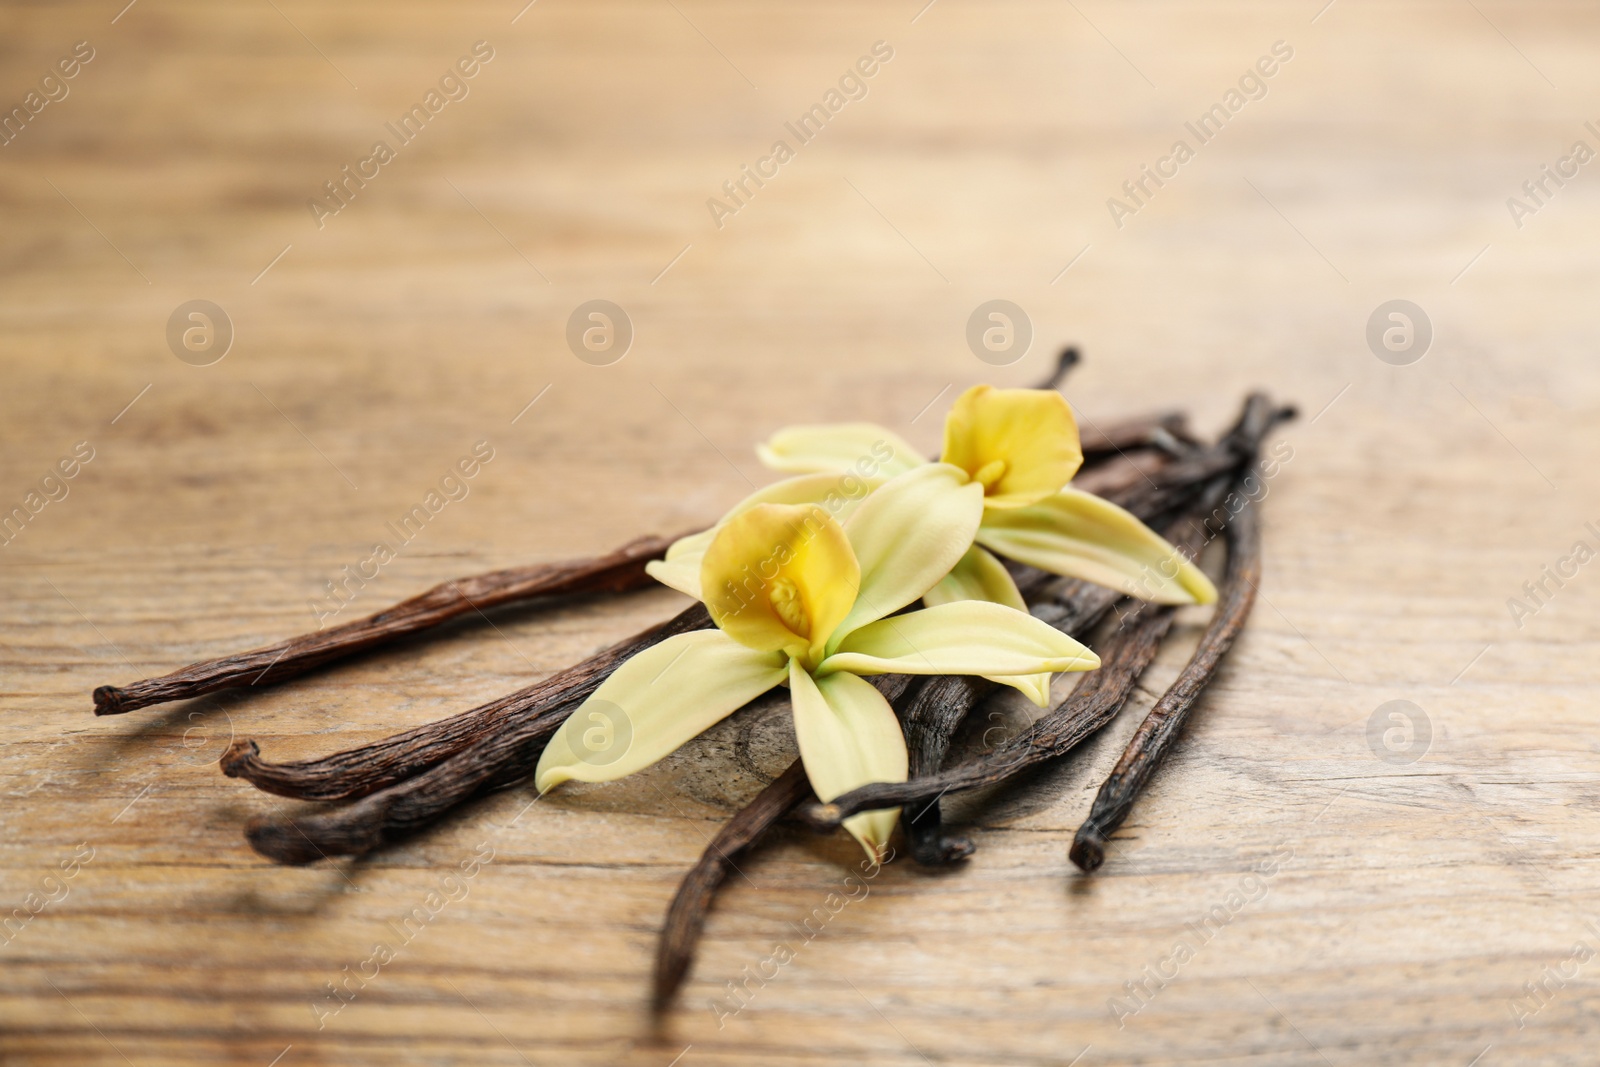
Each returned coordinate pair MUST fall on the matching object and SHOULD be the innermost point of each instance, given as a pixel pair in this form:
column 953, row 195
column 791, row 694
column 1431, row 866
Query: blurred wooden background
column 1417, row 904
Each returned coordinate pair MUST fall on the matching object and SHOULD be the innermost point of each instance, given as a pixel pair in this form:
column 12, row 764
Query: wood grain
column 1410, row 904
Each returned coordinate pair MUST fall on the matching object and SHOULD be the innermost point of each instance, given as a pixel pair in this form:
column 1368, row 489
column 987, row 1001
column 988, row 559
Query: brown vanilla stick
column 493, row 760
column 1159, row 732
column 1092, row 704
column 1168, row 431
column 615, row 571
column 503, row 758
column 359, row 771
column 686, row 918
column 937, row 712
column 1125, row 658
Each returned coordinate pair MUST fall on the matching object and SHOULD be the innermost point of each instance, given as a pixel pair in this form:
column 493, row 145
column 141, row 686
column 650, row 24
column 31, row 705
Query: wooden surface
column 1412, row 906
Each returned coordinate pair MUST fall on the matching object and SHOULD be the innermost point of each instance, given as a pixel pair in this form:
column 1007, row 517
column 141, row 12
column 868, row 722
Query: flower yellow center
column 781, row 578
column 1021, row 445
column 785, row 598
column 989, row 474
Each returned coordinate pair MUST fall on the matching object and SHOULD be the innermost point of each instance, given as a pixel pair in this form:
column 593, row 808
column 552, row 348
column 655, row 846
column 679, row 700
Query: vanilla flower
column 1021, row 447
column 798, row 597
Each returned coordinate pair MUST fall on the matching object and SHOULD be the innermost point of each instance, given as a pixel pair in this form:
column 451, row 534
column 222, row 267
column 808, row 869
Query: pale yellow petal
column 653, row 703
column 965, row 637
column 1079, row 535
column 907, row 535
column 980, row 576
column 1036, row 687
column 1021, row 443
column 695, row 544
column 860, row 447
column 848, row 736
column 682, row 574
column 780, row 576
column 839, row 494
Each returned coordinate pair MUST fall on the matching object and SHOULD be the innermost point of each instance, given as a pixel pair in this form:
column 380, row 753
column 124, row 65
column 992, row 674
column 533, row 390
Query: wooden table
column 1425, row 908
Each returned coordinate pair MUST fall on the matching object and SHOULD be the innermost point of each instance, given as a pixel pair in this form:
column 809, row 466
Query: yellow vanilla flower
column 800, row 598
column 1021, row 446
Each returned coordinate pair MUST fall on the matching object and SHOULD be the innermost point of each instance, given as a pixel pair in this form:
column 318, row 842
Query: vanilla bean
column 359, row 771
column 686, row 918
column 1092, row 704
column 1066, row 359
column 503, row 758
column 1168, row 432
column 615, row 571
column 937, row 712
column 1159, row 732
column 942, row 705
column 496, row 759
